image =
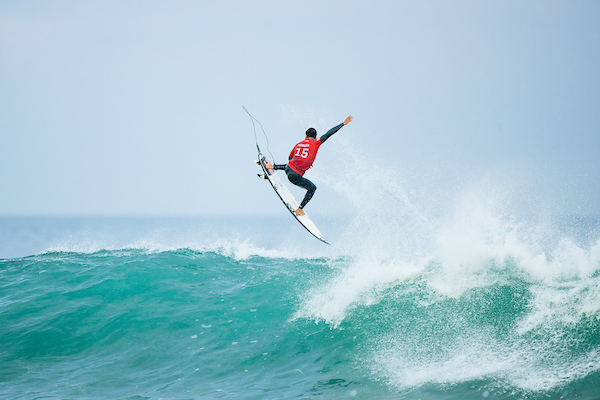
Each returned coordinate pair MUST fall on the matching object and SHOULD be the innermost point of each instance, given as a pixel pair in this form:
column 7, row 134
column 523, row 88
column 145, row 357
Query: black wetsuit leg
column 304, row 183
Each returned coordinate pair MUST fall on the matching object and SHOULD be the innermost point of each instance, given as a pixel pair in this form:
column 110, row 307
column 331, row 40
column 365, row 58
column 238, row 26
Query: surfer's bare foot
column 300, row 211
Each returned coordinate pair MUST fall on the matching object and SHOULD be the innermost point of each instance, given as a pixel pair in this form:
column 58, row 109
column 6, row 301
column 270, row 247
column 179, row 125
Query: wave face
column 495, row 317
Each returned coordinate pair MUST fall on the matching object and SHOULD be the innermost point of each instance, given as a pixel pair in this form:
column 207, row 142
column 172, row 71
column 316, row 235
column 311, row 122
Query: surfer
column 301, row 159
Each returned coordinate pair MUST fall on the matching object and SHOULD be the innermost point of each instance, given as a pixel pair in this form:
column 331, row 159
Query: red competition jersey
column 303, row 155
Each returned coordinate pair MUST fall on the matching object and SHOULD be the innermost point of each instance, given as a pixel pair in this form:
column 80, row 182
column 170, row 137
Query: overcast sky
column 135, row 108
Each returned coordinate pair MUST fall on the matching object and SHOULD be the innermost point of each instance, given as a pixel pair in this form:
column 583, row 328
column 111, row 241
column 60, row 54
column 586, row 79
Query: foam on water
column 477, row 356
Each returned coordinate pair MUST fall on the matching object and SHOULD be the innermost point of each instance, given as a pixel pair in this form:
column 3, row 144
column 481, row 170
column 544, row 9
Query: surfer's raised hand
column 347, row 120
column 269, row 165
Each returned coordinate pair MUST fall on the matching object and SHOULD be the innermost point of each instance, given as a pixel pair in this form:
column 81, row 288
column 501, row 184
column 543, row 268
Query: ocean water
column 472, row 303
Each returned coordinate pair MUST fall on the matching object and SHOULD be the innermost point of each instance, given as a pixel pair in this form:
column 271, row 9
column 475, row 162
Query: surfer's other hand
column 347, row 120
column 269, row 165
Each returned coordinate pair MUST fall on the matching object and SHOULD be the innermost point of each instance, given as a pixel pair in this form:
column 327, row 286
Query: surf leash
column 263, row 131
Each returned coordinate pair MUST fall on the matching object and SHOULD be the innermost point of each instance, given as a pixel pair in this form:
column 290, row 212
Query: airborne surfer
column 301, row 158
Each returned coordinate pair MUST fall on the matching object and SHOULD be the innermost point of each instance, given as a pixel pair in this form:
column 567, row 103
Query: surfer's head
column 311, row 132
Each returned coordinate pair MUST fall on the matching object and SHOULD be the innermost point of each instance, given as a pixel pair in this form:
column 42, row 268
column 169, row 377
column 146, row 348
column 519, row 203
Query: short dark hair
column 311, row 132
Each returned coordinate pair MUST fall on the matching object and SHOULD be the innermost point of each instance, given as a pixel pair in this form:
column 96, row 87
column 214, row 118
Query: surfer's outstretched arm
column 335, row 129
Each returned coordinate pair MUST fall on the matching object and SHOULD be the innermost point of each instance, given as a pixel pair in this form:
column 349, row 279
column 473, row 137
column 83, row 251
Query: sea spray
column 478, row 293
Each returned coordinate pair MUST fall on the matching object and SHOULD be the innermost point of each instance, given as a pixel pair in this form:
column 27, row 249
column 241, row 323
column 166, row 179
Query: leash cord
column 263, row 131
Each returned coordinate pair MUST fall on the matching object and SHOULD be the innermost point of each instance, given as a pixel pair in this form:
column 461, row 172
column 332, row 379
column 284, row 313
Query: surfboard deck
column 288, row 198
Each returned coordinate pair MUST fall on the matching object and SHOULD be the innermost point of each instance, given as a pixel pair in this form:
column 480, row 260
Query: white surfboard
column 288, row 198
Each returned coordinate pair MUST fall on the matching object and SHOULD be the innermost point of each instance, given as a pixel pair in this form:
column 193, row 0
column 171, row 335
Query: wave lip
column 238, row 250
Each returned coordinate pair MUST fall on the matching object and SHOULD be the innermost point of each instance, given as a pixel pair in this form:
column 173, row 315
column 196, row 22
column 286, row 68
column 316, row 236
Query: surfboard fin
column 262, row 176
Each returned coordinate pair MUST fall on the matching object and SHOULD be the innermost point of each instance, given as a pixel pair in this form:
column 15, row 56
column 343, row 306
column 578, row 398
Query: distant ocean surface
column 475, row 305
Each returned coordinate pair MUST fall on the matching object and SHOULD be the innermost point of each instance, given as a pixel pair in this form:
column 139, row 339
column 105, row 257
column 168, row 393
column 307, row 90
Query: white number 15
column 302, row 152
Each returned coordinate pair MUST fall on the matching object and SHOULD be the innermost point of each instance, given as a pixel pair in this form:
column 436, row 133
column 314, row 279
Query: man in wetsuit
column 301, row 159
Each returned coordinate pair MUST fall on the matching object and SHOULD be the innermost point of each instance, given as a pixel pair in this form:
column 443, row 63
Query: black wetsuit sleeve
column 331, row 132
column 279, row 166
